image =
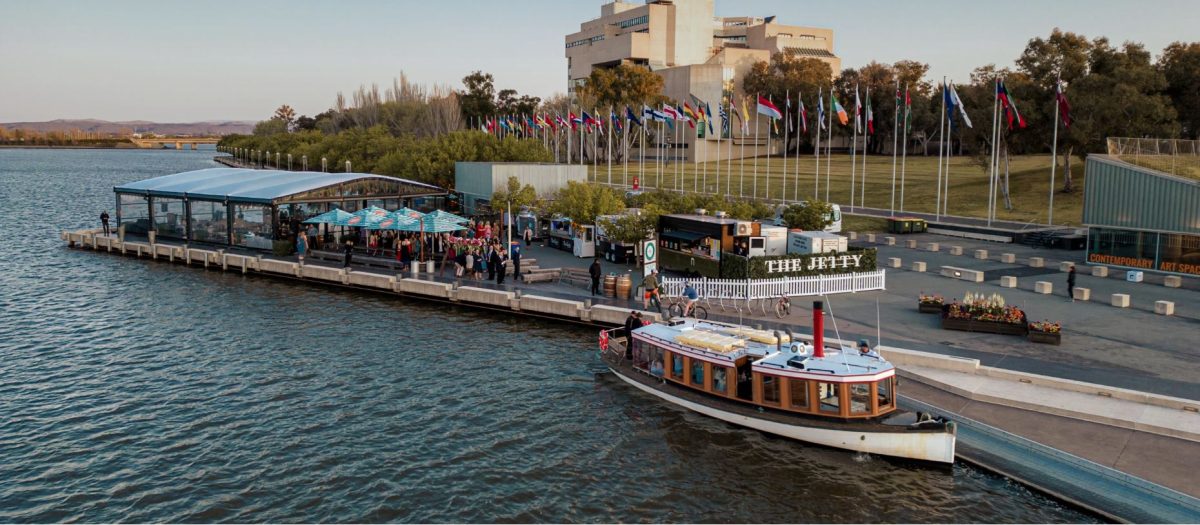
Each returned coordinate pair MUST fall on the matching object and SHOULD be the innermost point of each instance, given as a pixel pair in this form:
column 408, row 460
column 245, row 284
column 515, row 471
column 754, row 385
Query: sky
column 169, row 61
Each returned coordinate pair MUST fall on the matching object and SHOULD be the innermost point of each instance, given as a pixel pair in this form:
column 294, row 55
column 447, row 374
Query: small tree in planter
column 930, row 304
column 1045, row 332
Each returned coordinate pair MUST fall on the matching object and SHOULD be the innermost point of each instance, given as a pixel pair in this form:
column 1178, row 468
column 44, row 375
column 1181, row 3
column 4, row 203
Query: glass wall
column 209, row 222
column 170, row 218
column 252, row 226
column 1179, row 253
column 134, row 213
column 1168, row 252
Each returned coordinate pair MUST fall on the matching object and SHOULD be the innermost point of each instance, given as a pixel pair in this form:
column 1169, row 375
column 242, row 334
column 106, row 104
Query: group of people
column 471, row 260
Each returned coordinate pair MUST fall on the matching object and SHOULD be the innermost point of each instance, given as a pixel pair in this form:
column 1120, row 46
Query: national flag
column 616, row 121
column 575, row 121
column 821, row 111
column 765, row 107
column 1010, row 107
column 857, row 111
column 631, row 117
column 1064, row 107
column 745, row 118
column 669, row 112
column 708, row 117
column 725, row 129
column 948, row 100
column 589, row 120
column 803, row 114
column 838, row 109
column 870, row 115
column 689, row 112
column 907, row 110
column 683, row 115
column 958, row 105
column 491, row 125
column 787, row 103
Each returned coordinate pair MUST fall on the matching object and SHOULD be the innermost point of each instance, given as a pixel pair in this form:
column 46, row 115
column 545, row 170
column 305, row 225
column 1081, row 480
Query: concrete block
column 603, row 313
column 871, row 237
column 1008, row 258
column 1172, row 281
column 1043, row 287
column 1100, row 271
column 471, row 294
column 981, row 254
column 963, row 274
column 911, row 243
column 1164, row 307
column 918, row 266
column 890, row 241
column 1008, row 281
column 1037, row 262
column 852, row 236
column 1120, row 300
column 956, row 250
column 165, row 250
column 551, row 306
column 372, row 280
column 894, row 262
column 427, row 288
column 932, row 247
column 274, row 266
column 236, row 261
column 1065, row 266
column 1082, row 294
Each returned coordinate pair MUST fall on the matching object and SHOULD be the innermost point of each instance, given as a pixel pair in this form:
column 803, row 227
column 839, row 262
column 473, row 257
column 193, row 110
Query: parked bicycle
column 783, row 307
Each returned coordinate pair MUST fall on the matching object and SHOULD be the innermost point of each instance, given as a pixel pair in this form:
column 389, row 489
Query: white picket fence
column 757, row 289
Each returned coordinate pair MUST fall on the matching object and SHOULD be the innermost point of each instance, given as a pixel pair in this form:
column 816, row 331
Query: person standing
column 104, row 221
column 490, row 257
column 497, row 265
column 348, row 253
column 1071, row 283
column 301, row 245
column 516, row 264
column 595, row 272
column 528, row 234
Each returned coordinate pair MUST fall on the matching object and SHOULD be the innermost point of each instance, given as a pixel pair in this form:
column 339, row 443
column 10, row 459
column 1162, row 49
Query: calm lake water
column 139, row 391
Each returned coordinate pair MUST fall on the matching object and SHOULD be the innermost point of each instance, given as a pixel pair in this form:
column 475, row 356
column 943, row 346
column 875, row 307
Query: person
column 632, row 322
column 478, row 263
column 516, row 264
column 528, row 235
column 405, row 254
column 104, row 221
column 451, row 255
column 488, row 261
column 1071, row 284
column 650, row 285
column 497, row 265
column 595, row 272
column 469, row 263
column 656, row 368
column 864, row 349
column 314, row 240
column 460, row 262
column 690, row 296
column 301, row 245
column 372, row 243
column 348, row 253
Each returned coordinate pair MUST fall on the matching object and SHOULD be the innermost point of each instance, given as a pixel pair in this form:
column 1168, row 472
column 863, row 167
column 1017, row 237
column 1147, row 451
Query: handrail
column 759, row 289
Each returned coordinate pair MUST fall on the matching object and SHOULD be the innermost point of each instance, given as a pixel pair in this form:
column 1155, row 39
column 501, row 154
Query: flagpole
column 796, row 159
column 609, row 144
column 895, row 145
column 868, row 128
column 642, row 151
column 720, row 131
column 937, row 212
column 696, row 154
column 1054, row 151
column 754, row 184
column 829, row 146
column 995, row 133
column 904, row 147
column 729, row 158
column 596, row 147
column 742, row 160
column 817, row 148
column 675, row 158
column 787, row 104
column 767, row 183
column 625, row 149
column 854, row 147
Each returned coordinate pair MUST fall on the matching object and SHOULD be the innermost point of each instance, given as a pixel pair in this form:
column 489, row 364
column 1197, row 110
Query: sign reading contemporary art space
column 831, row 262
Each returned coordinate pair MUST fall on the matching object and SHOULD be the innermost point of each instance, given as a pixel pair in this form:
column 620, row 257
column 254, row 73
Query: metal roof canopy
column 259, row 186
column 1118, row 194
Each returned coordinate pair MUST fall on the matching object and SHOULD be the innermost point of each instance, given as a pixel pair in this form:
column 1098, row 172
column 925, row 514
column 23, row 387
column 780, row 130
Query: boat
column 777, row 383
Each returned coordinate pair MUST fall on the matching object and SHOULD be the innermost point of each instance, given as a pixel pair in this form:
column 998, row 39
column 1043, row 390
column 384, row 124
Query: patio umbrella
column 431, row 224
column 441, row 214
column 366, row 217
column 335, row 216
column 394, row 221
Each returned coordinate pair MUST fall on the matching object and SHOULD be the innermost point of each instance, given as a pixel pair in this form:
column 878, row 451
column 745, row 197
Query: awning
column 683, row 236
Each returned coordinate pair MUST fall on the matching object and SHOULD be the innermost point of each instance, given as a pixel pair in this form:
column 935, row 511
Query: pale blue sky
column 215, row 60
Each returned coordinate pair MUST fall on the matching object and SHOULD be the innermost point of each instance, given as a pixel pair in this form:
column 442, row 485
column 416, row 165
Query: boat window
column 698, row 373
column 860, row 398
column 883, row 391
column 656, row 360
column 770, row 389
column 828, row 393
column 641, row 354
column 677, row 367
column 720, row 380
column 798, row 389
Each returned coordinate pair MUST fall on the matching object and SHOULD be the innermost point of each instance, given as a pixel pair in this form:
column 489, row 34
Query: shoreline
column 31, row 146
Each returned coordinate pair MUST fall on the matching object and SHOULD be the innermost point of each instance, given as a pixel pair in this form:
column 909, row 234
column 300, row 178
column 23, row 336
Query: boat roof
column 724, row 343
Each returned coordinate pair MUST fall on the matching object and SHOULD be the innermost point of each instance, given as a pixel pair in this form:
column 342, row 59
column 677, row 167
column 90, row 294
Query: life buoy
column 604, row 340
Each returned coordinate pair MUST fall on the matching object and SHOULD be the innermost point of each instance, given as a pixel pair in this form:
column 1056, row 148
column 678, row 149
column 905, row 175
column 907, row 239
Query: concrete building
column 697, row 54
column 477, row 181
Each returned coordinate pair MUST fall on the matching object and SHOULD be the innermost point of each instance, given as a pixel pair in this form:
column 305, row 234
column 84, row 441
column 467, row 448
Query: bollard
column 894, row 262
column 1037, row 262
column 1172, row 281
column 981, row 255
column 852, row 236
column 911, row 243
column 1008, row 258
column 1082, row 294
column 933, row 247
column 918, row 266
column 1065, row 266
column 890, row 241
column 871, row 237
column 1164, row 307
column 1100, row 271
column 1043, row 287
column 956, row 250
column 1120, row 300
column 1008, row 281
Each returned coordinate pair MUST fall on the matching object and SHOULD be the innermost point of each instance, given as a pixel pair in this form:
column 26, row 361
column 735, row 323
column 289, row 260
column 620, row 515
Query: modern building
column 252, row 208
column 477, row 181
column 697, row 54
column 1141, row 218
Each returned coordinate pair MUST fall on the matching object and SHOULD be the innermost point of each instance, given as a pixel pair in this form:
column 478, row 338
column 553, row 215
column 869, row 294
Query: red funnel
column 818, row 329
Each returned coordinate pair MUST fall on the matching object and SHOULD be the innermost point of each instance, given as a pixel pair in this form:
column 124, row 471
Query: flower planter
column 929, row 308
column 1046, row 338
column 990, row 327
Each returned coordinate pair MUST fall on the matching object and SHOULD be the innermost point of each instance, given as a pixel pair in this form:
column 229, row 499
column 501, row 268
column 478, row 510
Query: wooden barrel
column 610, row 285
column 624, row 286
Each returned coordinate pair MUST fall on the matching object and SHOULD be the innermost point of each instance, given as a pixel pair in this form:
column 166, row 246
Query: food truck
column 693, row 244
column 578, row 239
column 612, row 250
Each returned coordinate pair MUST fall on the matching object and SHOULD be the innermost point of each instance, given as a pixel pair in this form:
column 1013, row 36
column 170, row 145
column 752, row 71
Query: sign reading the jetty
column 831, row 262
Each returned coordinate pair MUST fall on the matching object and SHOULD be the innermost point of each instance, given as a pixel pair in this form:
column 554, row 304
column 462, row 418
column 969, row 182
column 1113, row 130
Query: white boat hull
column 926, row 446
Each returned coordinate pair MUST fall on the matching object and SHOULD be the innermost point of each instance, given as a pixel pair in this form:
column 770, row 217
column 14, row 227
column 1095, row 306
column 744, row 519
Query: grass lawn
column 1029, row 182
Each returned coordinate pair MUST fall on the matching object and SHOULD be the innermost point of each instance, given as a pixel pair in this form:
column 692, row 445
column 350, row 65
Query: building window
column 1179, row 253
column 798, row 389
column 625, row 24
column 134, row 213
column 169, row 219
column 860, row 398
column 252, row 226
column 209, row 223
column 770, row 386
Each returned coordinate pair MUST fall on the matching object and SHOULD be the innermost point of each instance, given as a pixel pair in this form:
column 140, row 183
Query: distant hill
column 137, row 126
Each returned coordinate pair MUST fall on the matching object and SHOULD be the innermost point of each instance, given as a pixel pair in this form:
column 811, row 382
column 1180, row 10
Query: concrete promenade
column 1084, row 397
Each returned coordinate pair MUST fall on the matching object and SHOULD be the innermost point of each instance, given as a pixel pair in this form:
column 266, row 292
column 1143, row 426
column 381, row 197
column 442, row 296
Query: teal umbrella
column 409, row 212
column 335, row 216
column 394, row 221
column 431, row 224
column 366, row 217
column 440, row 214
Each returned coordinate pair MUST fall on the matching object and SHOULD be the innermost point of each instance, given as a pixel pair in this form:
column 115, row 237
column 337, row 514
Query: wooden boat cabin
column 767, row 369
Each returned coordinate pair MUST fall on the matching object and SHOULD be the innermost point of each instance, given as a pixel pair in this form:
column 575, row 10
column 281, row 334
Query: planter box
column 1046, row 338
column 929, row 308
column 989, row 327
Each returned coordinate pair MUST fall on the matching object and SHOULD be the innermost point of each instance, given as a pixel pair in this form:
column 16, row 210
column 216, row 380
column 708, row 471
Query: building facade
column 1140, row 218
column 698, row 55
column 477, row 181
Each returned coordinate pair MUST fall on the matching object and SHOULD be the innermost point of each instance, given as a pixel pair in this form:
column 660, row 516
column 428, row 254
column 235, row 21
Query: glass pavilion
column 252, row 208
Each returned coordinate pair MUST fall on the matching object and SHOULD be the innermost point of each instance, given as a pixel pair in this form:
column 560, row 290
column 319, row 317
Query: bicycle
column 783, row 307
column 655, row 300
column 677, row 306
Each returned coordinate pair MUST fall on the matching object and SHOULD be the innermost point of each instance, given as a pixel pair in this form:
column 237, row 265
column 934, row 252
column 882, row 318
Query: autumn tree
column 624, row 85
column 286, row 114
